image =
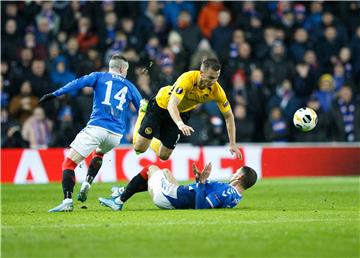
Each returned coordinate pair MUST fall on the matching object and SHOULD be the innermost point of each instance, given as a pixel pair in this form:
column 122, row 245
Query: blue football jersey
column 112, row 96
column 206, row 196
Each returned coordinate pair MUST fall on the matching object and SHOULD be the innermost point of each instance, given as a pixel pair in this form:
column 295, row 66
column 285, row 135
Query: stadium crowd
column 276, row 58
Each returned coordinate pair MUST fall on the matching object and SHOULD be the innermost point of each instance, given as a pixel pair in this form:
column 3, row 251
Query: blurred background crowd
column 276, row 58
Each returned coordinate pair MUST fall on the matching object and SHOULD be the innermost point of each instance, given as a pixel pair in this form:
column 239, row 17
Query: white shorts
column 91, row 138
column 158, row 187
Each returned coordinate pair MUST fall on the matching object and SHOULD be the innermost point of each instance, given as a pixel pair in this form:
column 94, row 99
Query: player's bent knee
column 152, row 170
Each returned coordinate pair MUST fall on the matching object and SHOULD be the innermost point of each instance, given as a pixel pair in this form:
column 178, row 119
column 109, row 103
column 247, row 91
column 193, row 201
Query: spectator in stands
column 22, row 68
column 325, row 93
column 73, row 14
column 66, row 128
column 328, row 48
column 175, row 43
column 61, row 75
column 355, row 50
column 108, row 30
column 84, row 106
column 166, row 75
column 22, row 105
column 277, row 128
column 243, row 61
column 85, row 37
column 207, row 21
column 74, row 57
column 202, row 52
column 338, row 76
column 11, row 132
column 189, row 31
column 245, row 126
column 345, row 117
column 344, row 58
column 39, row 78
column 286, row 99
column 145, row 21
column 7, row 80
column 53, row 19
column 37, row 129
column 277, row 68
column 310, row 59
column 144, row 86
column 238, row 38
column 263, row 47
column 161, row 30
column 304, row 80
column 300, row 45
column 43, row 33
column 222, row 35
column 172, row 10
column 133, row 39
column 10, row 40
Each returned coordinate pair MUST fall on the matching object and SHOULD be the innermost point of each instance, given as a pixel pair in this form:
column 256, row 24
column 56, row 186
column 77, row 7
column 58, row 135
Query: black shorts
column 158, row 123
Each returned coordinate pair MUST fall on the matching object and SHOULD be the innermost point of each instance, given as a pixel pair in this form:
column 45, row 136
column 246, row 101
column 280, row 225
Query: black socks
column 68, row 182
column 94, row 168
column 136, row 185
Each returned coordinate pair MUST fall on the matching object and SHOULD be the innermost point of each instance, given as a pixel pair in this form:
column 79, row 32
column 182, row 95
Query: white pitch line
column 167, row 223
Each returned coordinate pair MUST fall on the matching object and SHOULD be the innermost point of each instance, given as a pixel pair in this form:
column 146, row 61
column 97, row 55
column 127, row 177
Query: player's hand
column 196, row 172
column 205, row 173
column 185, row 129
column 46, row 97
column 235, row 150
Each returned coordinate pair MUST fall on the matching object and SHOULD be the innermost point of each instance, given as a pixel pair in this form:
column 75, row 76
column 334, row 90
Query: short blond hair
column 118, row 61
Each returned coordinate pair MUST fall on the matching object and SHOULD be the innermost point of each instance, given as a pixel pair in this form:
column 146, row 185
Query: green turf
column 308, row 217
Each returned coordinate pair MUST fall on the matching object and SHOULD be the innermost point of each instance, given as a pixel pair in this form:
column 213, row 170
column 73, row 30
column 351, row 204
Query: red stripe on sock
column 144, row 174
column 100, row 155
column 68, row 164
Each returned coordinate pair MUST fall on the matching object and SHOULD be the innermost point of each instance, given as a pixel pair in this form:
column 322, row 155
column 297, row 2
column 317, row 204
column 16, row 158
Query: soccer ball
column 305, row 119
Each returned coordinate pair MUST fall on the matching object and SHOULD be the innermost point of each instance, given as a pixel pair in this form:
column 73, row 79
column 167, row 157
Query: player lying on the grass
column 112, row 95
column 168, row 112
column 166, row 193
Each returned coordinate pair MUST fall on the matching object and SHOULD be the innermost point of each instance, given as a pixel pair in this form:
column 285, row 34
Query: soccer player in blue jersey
column 112, row 95
column 166, row 193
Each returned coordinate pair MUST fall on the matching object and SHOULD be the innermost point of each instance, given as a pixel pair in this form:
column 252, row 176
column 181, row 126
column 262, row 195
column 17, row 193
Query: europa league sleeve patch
column 226, row 103
column 179, row 90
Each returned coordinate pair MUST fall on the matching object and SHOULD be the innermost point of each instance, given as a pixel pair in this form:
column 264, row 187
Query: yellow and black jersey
column 190, row 95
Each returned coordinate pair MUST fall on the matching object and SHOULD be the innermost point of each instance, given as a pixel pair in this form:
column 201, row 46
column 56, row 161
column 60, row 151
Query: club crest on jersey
column 226, row 103
column 148, row 130
column 179, row 90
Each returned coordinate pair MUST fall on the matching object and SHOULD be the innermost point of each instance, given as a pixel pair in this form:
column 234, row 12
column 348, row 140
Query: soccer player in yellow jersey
column 167, row 114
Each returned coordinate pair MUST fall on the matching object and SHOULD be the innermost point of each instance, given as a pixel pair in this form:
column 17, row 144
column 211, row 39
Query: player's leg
column 141, row 114
column 84, row 143
column 108, row 142
column 138, row 183
column 149, row 126
column 69, row 164
column 159, row 187
column 169, row 136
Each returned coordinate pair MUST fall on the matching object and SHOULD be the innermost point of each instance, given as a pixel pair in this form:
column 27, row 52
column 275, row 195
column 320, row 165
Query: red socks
column 68, row 164
column 144, row 174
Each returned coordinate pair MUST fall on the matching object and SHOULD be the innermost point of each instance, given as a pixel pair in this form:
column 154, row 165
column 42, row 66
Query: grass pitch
column 299, row 217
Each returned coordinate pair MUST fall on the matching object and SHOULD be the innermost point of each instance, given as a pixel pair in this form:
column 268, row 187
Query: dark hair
column 249, row 178
column 212, row 63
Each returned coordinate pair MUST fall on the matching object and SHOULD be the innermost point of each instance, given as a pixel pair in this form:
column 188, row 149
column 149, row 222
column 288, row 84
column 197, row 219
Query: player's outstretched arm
column 175, row 115
column 231, row 130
